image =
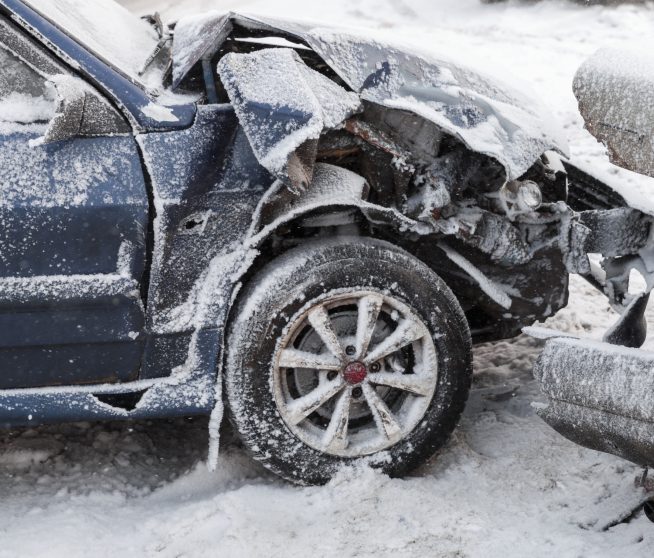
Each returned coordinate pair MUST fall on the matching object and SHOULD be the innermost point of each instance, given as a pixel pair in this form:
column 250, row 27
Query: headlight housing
column 520, row 196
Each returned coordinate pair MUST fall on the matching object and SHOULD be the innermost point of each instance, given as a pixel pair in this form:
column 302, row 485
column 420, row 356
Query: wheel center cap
column 355, row 372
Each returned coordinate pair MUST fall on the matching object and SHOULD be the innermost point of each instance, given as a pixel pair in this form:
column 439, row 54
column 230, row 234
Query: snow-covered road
column 506, row 485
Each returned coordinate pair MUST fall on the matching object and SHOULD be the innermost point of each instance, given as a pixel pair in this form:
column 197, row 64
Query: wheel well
column 311, row 226
column 306, row 227
column 397, row 170
column 485, row 319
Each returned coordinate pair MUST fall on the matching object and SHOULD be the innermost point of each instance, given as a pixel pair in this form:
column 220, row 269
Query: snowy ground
column 505, row 486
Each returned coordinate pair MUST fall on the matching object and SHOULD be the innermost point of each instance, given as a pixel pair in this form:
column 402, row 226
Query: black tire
column 279, row 291
column 648, row 508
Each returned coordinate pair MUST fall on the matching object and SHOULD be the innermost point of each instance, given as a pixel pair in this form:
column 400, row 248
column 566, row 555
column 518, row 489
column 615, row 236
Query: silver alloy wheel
column 354, row 372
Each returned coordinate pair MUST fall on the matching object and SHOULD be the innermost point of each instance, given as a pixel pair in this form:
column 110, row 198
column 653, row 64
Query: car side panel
column 206, row 184
column 73, row 216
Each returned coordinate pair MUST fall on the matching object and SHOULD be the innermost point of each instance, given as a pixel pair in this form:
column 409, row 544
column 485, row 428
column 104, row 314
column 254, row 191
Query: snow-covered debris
column 601, row 395
column 489, row 117
column 508, row 485
column 615, row 89
column 493, row 290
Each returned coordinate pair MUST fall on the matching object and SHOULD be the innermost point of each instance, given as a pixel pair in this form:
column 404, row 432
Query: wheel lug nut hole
column 357, row 392
column 332, row 374
column 375, row 367
column 350, row 350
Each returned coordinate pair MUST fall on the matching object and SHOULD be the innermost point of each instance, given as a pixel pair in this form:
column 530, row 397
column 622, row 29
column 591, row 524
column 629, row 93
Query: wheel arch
column 336, row 204
column 291, row 279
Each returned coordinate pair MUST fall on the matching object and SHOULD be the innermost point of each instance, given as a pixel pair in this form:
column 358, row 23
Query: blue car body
column 93, row 326
column 121, row 253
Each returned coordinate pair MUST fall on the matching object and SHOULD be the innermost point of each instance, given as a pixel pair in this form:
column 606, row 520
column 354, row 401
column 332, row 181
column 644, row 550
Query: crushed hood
column 490, row 118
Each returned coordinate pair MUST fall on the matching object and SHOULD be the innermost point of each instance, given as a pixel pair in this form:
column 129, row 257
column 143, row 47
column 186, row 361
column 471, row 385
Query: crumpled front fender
column 333, row 188
column 489, row 117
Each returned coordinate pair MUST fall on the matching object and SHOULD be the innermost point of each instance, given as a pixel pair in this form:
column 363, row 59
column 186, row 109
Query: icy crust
column 200, row 34
column 600, row 396
column 331, row 187
column 508, row 486
column 281, row 103
column 212, row 294
column 194, row 35
column 615, row 90
column 25, row 97
column 604, row 377
column 20, row 290
column 490, row 118
column 76, row 174
column 627, row 437
column 492, row 289
column 496, row 120
column 21, row 108
column 106, row 28
column 159, row 113
column 629, row 75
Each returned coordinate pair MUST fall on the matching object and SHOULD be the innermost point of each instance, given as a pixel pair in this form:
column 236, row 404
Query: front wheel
column 343, row 350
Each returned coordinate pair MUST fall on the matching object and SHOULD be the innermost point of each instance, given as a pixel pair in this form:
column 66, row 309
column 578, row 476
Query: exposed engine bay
column 457, row 162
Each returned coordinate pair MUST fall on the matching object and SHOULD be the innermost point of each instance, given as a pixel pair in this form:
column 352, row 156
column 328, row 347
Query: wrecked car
column 309, row 226
column 600, row 391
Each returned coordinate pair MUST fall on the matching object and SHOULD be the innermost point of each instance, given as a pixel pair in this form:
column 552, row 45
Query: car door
column 73, row 220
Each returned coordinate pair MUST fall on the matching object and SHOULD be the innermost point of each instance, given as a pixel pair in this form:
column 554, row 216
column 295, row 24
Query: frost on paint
column 104, row 27
column 489, row 117
column 299, row 132
column 25, row 97
column 615, row 90
column 398, row 110
column 600, row 395
column 284, row 106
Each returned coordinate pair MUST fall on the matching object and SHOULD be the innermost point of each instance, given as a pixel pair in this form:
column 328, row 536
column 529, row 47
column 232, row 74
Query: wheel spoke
column 321, row 322
column 292, row 358
column 413, row 383
column 335, row 437
column 369, row 308
column 301, row 408
column 406, row 332
column 386, row 423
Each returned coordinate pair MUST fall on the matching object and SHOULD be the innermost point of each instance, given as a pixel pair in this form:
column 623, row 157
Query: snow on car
column 318, row 221
column 600, row 394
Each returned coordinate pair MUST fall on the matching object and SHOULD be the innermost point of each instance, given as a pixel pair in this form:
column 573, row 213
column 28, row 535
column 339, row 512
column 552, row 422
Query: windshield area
column 111, row 32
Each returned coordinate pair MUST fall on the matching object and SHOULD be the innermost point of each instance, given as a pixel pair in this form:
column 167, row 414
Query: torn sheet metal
column 490, row 118
column 493, row 290
column 332, row 187
column 616, row 232
column 283, row 106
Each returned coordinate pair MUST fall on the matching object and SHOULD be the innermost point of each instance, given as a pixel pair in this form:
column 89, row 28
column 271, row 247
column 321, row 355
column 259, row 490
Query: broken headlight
column 520, row 197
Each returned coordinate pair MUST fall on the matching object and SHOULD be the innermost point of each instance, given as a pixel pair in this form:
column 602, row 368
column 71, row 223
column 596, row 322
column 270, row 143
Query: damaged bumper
column 601, row 396
column 601, row 393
